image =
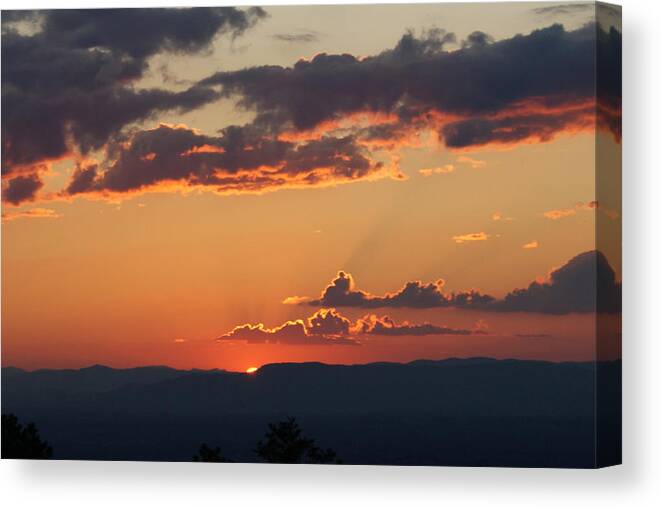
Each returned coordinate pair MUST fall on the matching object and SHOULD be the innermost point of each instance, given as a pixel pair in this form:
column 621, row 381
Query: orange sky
column 155, row 277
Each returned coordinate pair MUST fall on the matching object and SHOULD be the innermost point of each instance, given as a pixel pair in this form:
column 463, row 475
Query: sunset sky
column 225, row 188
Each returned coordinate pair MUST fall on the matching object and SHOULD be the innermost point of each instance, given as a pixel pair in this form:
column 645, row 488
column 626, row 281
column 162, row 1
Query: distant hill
column 97, row 378
column 458, row 411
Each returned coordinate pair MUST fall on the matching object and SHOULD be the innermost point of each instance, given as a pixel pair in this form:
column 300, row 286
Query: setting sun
column 251, row 370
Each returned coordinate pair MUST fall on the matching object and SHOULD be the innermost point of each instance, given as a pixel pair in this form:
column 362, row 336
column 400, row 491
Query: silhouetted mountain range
column 476, row 411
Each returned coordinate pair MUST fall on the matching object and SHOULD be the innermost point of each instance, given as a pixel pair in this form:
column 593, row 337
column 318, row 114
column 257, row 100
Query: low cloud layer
column 372, row 324
column 586, row 283
column 327, row 327
column 292, row 333
column 341, row 292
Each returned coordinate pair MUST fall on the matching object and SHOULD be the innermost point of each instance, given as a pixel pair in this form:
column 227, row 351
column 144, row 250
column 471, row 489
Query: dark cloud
column 605, row 13
column 584, row 284
column 21, row 189
column 238, row 159
column 305, row 37
column 15, row 16
column 68, row 84
column 481, row 131
column 565, row 8
column 328, row 327
column 140, row 33
column 82, row 179
column 324, row 328
column 328, row 85
column 341, row 293
column 328, row 322
column 375, row 325
column 550, row 70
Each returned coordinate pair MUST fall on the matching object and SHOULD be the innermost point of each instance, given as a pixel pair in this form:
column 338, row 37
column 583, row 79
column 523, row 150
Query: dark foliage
column 284, row 444
column 208, row 454
column 22, row 442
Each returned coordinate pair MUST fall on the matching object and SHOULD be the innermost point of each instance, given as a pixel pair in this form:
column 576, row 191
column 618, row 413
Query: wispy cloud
column 563, row 213
column 448, row 168
column 564, row 9
column 306, row 36
column 560, row 213
column 34, row 213
column 296, row 300
column 471, row 237
column 497, row 216
column 473, row 163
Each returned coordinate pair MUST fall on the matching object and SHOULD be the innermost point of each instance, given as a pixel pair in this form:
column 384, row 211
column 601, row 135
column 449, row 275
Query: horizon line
column 324, row 364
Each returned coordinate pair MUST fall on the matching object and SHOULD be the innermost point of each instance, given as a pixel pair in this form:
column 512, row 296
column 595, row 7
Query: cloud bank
column 68, row 89
column 526, row 87
column 586, row 283
column 341, row 292
column 238, row 160
column 327, row 327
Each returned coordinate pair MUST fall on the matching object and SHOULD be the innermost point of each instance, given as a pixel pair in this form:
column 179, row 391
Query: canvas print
column 341, row 234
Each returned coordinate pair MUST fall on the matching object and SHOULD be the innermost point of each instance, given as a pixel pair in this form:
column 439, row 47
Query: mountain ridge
column 472, row 359
column 450, row 411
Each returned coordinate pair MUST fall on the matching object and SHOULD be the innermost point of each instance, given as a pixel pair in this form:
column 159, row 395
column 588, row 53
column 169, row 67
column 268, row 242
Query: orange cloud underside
column 347, row 122
column 422, row 131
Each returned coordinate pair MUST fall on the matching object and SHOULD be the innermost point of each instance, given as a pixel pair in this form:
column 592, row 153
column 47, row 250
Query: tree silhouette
column 22, row 442
column 208, row 454
column 284, row 444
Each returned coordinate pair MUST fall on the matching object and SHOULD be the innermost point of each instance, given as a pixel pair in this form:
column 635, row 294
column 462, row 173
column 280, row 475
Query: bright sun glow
column 250, row 370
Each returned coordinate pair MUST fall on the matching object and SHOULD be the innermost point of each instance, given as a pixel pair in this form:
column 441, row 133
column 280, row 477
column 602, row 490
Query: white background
column 636, row 483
